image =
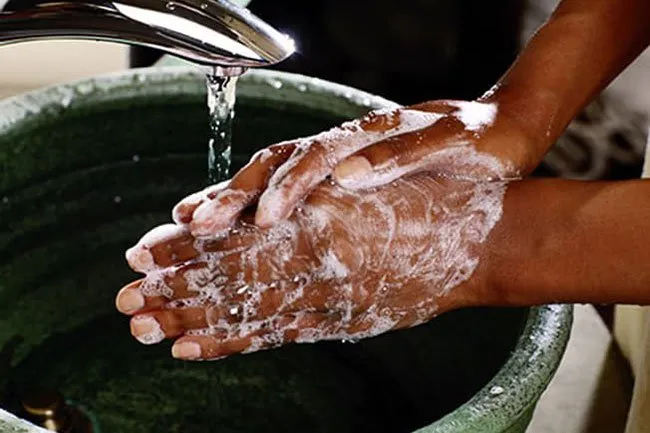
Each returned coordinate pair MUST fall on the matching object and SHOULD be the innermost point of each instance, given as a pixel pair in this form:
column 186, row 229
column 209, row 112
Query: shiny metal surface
column 208, row 32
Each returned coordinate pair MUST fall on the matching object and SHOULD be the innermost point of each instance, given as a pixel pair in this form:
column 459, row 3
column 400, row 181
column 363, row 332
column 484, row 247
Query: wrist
column 513, row 137
column 528, row 251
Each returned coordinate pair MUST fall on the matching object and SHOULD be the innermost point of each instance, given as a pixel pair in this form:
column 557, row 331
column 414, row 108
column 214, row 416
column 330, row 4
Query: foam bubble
column 332, row 267
column 341, row 143
column 475, row 115
column 161, row 234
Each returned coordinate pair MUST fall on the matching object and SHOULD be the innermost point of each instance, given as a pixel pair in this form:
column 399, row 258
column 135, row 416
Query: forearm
column 568, row 241
column 583, row 46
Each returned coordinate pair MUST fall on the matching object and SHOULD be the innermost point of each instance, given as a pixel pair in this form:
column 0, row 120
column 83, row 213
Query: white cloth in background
column 632, row 331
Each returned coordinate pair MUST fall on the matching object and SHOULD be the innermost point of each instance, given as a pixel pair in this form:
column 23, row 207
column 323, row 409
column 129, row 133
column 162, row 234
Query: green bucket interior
column 84, row 176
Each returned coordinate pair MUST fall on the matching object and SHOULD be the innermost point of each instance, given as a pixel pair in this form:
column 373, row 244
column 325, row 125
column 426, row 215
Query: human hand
column 455, row 139
column 345, row 265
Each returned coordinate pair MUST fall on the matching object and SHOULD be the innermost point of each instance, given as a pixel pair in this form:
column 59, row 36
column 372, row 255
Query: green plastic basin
column 87, row 168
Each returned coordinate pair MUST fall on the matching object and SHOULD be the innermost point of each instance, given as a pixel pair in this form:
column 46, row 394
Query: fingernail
column 352, row 169
column 147, row 330
column 140, row 259
column 129, row 301
column 182, row 213
column 186, row 350
column 203, row 219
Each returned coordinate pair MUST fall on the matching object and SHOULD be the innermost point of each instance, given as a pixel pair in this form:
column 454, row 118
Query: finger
column 152, row 328
column 239, row 239
column 214, row 216
column 317, row 157
column 250, row 338
column 130, row 300
column 185, row 281
column 396, row 157
column 164, row 246
column 441, row 147
column 183, row 211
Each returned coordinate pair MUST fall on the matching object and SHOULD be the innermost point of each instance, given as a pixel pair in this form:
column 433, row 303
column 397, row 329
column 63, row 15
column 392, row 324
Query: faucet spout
column 208, row 32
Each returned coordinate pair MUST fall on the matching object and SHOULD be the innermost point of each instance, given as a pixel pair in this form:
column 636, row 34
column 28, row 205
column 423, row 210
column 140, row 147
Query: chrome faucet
column 209, row 32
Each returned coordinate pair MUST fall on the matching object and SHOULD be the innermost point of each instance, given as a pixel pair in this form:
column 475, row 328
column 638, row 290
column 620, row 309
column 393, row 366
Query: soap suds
column 196, row 199
column 376, row 257
column 339, row 143
column 332, row 268
column 475, row 115
column 140, row 256
column 448, row 162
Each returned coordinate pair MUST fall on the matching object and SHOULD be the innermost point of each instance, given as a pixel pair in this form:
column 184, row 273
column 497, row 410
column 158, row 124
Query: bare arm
column 568, row 241
column 582, row 47
column 356, row 265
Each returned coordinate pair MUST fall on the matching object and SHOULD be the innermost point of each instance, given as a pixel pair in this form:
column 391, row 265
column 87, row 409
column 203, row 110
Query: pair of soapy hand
column 372, row 226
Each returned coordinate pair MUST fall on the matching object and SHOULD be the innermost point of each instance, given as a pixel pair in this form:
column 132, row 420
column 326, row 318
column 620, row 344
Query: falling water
column 221, row 105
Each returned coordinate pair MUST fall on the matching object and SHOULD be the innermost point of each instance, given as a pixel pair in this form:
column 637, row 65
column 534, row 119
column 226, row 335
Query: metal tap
column 208, row 32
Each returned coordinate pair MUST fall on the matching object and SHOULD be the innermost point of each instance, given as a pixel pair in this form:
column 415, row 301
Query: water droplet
column 302, row 87
column 242, row 289
column 234, row 232
column 136, row 158
column 276, row 84
column 65, row 102
column 367, row 102
column 85, row 88
column 171, row 6
column 496, row 390
column 204, row 6
column 222, row 134
column 117, row 199
column 234, row 310
column 384, row 289
column 348, row 94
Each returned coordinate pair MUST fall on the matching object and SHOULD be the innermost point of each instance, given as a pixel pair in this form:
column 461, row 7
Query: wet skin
column 541, row 250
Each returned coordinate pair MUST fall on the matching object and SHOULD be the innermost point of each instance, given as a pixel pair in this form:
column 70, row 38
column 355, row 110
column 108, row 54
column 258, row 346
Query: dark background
column 408, row 51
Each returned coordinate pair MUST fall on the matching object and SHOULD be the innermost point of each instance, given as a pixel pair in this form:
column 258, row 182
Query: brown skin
column 582, row 47
column 558, row 241
column 563, row 241
column 389, row 265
